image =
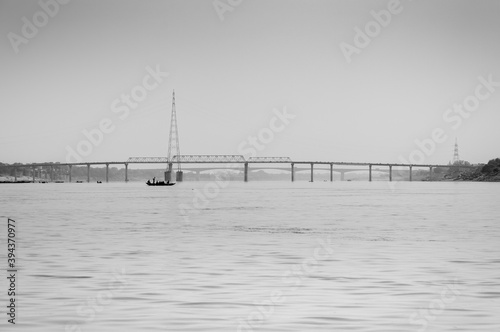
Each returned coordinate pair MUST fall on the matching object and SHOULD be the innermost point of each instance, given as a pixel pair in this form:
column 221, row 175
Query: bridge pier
column 293, row 172
column 312, row 172
column 178, row 176
column 245, row 175
column 69, row 173
column 390, row 172
column 88, row 172
column 410, row 173
column 126, row 172
column 430, row 173
column 168, row 173
column 331, row 172
column 370, row 172
column 107, row 173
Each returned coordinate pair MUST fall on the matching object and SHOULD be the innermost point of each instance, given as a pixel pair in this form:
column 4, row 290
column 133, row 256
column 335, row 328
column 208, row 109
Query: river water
column 256, row 256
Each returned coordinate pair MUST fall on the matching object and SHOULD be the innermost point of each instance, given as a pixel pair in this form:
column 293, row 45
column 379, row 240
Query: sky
column 352, row 80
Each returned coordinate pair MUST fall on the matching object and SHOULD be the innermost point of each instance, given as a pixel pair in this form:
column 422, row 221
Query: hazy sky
column 234, row 64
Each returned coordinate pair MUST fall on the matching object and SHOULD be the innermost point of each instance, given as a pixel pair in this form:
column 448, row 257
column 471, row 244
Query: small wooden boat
column 159, row 183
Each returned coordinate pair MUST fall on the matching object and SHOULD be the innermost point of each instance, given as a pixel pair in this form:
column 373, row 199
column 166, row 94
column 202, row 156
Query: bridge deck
column 338, row 163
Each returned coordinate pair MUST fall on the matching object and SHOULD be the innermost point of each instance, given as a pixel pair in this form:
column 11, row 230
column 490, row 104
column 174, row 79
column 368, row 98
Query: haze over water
column 342, row 256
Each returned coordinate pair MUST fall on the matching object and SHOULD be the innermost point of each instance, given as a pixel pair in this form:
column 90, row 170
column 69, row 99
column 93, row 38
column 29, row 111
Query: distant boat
column 159, row 183
column 79, row 181
column 99, row 181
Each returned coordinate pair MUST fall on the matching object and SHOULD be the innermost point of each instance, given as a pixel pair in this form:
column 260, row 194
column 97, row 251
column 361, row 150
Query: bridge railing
column 224, row 158
column 269, row 160
column 229, row 158
column 147, row 160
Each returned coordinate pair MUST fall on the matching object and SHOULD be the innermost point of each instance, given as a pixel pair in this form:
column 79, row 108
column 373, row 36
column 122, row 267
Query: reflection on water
column 257, row 257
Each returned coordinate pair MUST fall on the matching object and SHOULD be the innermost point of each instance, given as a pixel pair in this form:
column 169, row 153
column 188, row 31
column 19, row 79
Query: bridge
column 342, row 171
column 231, row 162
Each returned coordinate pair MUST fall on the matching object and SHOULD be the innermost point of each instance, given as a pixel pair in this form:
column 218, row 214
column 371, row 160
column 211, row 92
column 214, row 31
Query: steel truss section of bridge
column 191, row 159
column 270, row 160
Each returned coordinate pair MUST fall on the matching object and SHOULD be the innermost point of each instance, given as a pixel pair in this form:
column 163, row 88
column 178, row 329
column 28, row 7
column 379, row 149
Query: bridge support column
column 168, row 173
column 178, row 176
column 293, row 173
column 34, row 171
column 370, row 173
column 390, row 172
column 245, row 176
column 312, row 172
column 107, row 173
column 69, row 173
column 410, row 173
column 430, row 173
column 88, row 172
column 331, row 172
column 126, row 172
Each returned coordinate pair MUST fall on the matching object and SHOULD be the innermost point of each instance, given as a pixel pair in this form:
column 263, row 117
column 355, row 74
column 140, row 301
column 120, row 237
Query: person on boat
column 149, row 182
column 154, row 181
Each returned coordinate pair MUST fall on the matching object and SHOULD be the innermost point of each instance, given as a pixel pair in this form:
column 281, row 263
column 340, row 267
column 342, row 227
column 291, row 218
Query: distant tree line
column 492, row 167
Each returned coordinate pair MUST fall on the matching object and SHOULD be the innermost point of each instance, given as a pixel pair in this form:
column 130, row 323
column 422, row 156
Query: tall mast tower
column 456, row 157
column 173, row 143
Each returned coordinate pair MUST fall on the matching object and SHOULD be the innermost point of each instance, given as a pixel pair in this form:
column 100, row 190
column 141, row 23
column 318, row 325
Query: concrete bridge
column 232, row 162
column 341, row 171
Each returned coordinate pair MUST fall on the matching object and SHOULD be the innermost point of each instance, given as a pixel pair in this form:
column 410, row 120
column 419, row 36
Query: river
column 256, row 256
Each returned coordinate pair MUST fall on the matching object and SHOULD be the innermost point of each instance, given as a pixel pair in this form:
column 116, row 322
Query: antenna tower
column 173, row 140
column 456, row 157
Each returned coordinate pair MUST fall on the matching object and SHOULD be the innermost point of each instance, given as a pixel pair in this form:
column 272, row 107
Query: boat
column 159, row 183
